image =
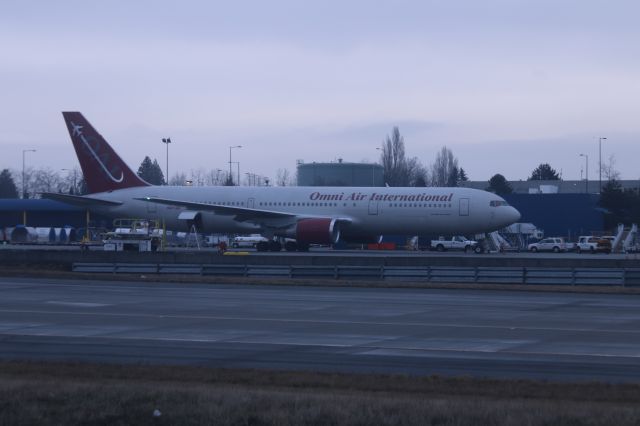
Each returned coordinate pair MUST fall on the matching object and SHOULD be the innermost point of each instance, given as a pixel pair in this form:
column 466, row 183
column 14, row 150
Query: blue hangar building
column 49, row 213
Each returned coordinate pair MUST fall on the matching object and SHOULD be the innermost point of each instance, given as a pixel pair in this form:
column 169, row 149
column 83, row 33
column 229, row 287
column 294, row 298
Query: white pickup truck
column 457, row 242
column 590, row 244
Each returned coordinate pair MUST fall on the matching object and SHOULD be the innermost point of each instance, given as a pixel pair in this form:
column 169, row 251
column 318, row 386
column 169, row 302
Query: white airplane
column 308, row 215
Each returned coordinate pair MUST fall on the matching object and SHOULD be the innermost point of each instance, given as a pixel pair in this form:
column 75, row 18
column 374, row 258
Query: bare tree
column 216, row 177
column 444, row 171
column 283, row 177
column 25, row 186
column 198, row 177
column 609, row 169
column 71, row 180
column 46, row 180
column 398, row 171
column 178, row 179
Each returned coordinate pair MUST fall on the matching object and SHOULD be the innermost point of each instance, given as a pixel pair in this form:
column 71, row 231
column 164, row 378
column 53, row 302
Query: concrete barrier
column 438, row 274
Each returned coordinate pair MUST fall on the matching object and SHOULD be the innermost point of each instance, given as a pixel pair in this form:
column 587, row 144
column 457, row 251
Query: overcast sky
column 505, row 84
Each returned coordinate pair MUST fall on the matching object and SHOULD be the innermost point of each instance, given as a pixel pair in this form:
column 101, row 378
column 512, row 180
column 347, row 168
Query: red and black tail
column 103, row 169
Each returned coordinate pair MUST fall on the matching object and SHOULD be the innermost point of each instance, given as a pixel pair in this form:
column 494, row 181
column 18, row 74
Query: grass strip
column 48, row 393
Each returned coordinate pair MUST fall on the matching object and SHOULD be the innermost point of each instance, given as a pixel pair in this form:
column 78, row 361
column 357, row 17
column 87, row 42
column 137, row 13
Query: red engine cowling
column 317, row 231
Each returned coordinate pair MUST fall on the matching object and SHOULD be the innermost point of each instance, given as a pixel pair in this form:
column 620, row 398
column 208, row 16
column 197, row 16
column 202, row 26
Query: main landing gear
column 276, row 246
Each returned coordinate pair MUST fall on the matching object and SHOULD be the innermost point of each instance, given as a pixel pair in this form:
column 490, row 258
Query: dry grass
column 89, row 394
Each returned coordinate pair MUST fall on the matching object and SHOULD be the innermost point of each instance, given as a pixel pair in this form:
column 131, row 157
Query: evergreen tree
column 151, row 171
column 544, row 172
column 82, row 187
column 622, row 206
column 420, row 181
column 462, row 176
column 498, row 185
column 454, row 176
column 8, row 187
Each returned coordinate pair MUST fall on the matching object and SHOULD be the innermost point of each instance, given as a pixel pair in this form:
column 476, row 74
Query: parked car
column 593, row 244
column 554, row 244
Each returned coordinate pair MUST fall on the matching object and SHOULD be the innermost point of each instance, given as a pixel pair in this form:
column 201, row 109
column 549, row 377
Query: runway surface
column 554, row 336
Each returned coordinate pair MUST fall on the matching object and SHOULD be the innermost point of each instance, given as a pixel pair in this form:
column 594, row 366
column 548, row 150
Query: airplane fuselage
column 369, row 210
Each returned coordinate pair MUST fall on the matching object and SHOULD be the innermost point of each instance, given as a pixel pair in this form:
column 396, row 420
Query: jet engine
column 317, row 231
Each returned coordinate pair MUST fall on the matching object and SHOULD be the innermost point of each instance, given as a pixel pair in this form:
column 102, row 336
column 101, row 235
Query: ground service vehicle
column 593, row 244
column 605, row 244
column 554, row 244
column 457, row 242
column 587, row 243
column 248, row 241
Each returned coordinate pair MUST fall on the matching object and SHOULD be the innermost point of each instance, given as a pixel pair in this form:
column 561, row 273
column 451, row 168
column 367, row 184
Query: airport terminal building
column 340, row 174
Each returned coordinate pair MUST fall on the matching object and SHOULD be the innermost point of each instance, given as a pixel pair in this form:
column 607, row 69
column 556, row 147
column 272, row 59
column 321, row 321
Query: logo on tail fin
column 77, row 131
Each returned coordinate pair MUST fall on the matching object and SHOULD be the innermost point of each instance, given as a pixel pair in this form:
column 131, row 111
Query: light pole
column 600, row 161
column 167, row 141
column 587, row 167
column 230, row 171
column 24, row 151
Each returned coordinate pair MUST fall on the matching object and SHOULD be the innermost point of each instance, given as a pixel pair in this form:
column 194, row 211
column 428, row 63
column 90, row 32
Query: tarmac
column 459, row 332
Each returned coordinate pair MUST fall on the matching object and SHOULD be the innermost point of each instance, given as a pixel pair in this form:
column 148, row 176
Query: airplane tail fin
column 103, row 169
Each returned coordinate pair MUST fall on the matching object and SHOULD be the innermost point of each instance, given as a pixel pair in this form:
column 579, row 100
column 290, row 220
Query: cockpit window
column 496, row 203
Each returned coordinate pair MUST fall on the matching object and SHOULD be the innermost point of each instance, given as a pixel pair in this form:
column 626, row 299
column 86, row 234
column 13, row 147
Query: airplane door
column 251, row 202
column 464, row 207
column 373, row 207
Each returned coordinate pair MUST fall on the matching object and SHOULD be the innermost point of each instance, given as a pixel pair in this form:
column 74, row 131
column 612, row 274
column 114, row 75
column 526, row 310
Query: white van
column 250, row 241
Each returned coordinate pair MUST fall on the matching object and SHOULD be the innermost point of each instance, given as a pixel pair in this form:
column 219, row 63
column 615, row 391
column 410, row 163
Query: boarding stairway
column 626, row 239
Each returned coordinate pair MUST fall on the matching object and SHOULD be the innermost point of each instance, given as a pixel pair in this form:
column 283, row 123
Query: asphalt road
column 553, row 336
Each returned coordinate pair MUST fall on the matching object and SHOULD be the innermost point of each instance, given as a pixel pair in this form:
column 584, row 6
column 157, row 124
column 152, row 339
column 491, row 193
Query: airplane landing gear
column 290, row 246
column 275, row 246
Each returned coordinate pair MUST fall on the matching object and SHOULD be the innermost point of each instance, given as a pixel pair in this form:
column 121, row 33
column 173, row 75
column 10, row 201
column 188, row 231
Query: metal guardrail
column 432, row 274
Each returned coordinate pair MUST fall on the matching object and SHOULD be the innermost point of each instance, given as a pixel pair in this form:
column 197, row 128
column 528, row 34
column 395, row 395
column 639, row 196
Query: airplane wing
column 242, row 214
column 79, row 200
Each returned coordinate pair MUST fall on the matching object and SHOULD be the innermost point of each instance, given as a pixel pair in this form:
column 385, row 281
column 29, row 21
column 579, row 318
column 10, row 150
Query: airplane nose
column 507, row 215
column 513, row 215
